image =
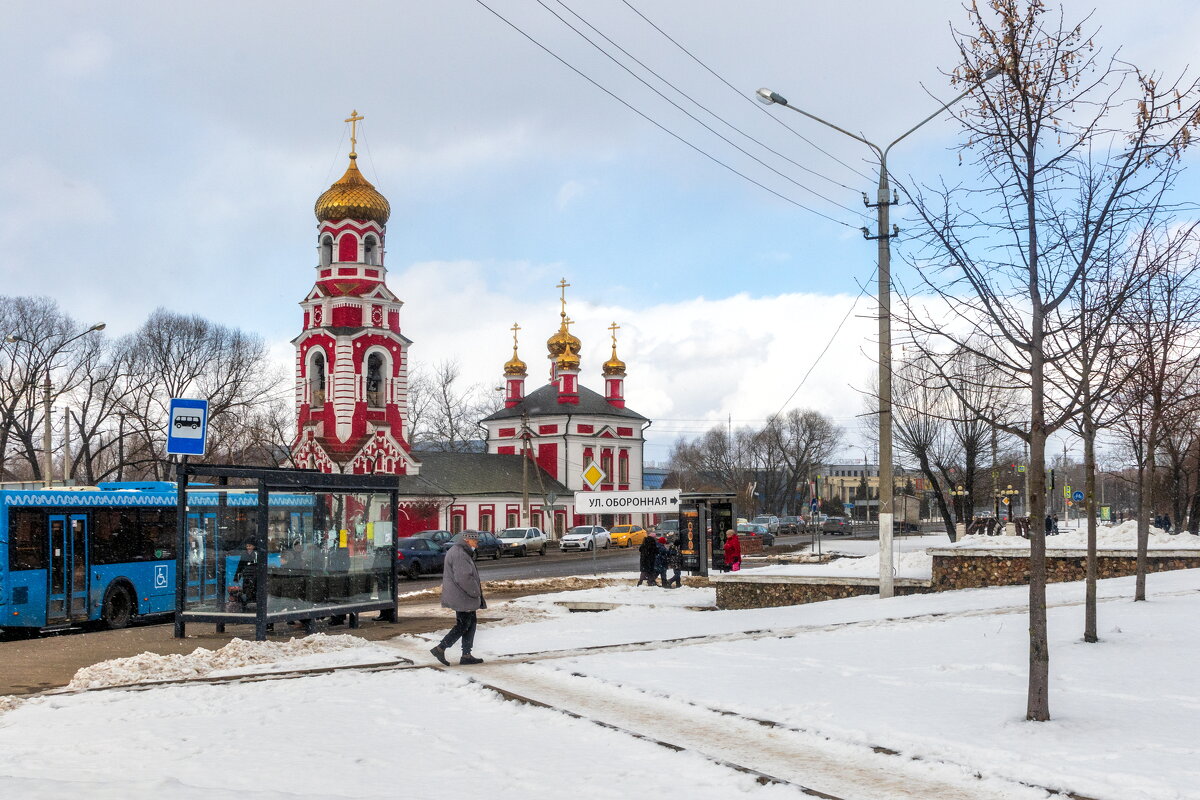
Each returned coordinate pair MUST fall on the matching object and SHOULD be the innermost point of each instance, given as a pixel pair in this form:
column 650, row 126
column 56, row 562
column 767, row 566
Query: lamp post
column 884, row 198
column 45, row 363
column 959, row 493
column 866, row 482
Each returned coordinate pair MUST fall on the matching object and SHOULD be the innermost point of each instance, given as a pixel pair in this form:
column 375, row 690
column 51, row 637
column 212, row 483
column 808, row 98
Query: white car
column 585, row 537
column 522, row 541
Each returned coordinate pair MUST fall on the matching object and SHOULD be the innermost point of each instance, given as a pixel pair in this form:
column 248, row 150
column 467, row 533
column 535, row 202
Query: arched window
column 623, row 467
column 375, row 380
column 370, row 250
column 348, row 247
column 326, row 250
column 316, row 377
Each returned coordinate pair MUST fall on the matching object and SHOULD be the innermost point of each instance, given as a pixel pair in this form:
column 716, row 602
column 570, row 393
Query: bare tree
column 1071, row 150
column 443, row 411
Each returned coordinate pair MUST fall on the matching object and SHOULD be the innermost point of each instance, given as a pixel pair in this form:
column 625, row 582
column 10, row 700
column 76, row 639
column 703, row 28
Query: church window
column 375, row 380
column 317, row 380
column 326, row 250
column 370, row 250
column 348, row 247
column 623, row 466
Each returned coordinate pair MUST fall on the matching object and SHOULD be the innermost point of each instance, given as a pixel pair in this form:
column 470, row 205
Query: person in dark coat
column 733, row 551
column 674, row 563
column 1166, row 526
column 462, row 592
column 646, row 553
column 660, row 563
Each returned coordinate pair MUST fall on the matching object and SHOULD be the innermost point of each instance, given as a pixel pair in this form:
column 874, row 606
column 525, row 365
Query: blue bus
column 107, row 554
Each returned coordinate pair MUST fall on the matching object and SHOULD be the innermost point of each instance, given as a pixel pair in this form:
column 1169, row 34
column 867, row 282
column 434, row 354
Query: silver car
column 585, row 537
column 522, row 541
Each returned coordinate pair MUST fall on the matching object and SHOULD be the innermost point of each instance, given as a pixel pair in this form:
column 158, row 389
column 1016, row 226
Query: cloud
column 34, row 190
column 82, row 54
column 567, row 194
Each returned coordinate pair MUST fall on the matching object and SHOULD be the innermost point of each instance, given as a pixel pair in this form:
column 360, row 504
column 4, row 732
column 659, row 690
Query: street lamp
column 47, row 463
column 883, row 199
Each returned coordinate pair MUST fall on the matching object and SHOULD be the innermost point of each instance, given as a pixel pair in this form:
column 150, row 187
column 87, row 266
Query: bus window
column 27, row 541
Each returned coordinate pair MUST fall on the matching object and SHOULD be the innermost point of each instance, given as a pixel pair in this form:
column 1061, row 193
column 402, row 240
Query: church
column 352, row 363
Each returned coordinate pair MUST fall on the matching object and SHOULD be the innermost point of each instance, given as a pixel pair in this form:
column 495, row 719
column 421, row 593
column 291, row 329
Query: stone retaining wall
column 972, row 569
column 767, row 593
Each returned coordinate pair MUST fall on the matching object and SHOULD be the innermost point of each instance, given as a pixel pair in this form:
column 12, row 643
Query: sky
column 171, row 155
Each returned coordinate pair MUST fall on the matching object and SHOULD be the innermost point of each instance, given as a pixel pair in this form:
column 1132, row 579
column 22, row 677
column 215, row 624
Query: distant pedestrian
column 733, row 551
column 675, row 563
column 1167, row 523
column 462, row 592
column 1049, row 524
column 660, row 564
column 1054, row 531
column 646, row 553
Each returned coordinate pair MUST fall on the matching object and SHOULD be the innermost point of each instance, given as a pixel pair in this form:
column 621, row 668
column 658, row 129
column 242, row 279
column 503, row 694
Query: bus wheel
column 117, row 610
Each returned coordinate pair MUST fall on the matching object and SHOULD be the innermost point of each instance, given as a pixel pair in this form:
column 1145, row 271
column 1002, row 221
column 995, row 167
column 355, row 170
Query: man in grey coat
column 462, row 592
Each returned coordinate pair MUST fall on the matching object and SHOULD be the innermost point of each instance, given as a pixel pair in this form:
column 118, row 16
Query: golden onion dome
column 568, row 359
column 514, row 367
column 614, row 366
column 353, row 197
column 560, row 341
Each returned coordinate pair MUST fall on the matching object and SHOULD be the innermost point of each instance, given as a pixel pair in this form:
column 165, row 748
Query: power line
column 654, row 122
column 740, row 94
column 701, row 106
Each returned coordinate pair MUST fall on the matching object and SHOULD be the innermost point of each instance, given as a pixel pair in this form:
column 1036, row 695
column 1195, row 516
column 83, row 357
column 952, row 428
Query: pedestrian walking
column 646, row 553
column 660, row 564
column 1166, row 523
column 463, row 593
column 674, row 562
column 733, row 551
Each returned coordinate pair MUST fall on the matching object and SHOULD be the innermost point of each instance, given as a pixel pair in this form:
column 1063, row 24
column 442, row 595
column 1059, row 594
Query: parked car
column 790, row 525
column 756, row 530
column 486, row 545
column 771, row 521
column 905, row 527
column 442, row 538
column 666, row 527
column 522, row 541
column 627, row 535
column 585, row 537
column 419, row 555
column 836, row 525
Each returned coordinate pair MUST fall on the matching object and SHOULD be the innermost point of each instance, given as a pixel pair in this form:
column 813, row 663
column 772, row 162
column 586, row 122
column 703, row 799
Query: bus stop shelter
column 703, row 519
column 265, row 545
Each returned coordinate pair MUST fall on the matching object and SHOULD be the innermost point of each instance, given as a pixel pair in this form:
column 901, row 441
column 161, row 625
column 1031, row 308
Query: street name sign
column 663, row 501
column 187, row 427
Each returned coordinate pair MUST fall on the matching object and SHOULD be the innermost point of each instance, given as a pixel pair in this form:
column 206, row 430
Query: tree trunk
column 1089, row 467
column 1146, row 477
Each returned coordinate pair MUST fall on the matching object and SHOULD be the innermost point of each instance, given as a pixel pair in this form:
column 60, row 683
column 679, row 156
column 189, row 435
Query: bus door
column 202, row 556
column 67, row 597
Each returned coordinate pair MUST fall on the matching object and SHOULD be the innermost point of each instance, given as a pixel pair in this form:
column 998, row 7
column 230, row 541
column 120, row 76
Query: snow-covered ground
column 1115, row 537
column 940, row 678
column 908, row 564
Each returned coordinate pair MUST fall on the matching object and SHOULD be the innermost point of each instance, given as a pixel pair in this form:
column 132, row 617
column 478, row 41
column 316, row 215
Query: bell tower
column 351, row 358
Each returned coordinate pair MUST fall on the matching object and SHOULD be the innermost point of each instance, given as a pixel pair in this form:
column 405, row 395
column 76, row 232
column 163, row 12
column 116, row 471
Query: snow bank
column 917, row 565
column 1116, row 537
column 234, row 658
column 641, row 596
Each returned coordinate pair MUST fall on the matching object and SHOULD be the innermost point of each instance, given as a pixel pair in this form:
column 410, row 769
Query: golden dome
column 560, row 341
column 353, row 197
column 514, row 367
column 568, row 359
column 614, row 366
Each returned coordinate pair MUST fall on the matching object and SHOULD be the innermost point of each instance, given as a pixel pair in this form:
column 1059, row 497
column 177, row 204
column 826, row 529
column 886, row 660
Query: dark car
column 790, row 525
column 756, row 530
column 442, row 538
column 417, row 556
column 836, row 525
column 486, row 545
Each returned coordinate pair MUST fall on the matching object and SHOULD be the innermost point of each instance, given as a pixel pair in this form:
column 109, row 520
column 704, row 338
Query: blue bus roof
column 140, row 496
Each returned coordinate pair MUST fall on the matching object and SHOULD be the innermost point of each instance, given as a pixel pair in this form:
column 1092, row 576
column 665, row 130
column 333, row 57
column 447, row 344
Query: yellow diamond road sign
column 593, row 475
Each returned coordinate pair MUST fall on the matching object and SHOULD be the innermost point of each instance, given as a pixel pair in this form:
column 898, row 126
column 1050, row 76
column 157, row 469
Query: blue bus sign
column 187, row 427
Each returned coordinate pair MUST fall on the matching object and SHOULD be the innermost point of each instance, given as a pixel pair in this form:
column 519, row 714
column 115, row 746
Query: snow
column 239, row 657
column 918, row 565
column 1117, row 537
column 628, row 595
column 940, row 678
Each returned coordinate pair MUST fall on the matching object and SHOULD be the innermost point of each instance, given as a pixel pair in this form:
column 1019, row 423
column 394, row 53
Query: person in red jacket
column 733, row 551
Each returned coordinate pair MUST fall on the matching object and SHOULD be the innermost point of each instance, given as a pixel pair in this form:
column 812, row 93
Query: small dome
column 514, row 367
column 560, row 341
column 568, row 359
column 353, row 197
column 614, row 366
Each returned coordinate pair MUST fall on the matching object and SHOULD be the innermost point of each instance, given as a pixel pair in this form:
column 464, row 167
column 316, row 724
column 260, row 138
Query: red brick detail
column 547, row 429
column 547, row 458
column 508, row 431
column 347, row 317
column 394, row 321
column 371, row 273
column 348, row 248
column 507, row 450
column 325, row 273
column 347, row 271
column 624, row 431
column 587, row 428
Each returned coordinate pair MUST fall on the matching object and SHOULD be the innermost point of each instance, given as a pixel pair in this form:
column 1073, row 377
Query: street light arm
column 943, row 107
column 768, row 97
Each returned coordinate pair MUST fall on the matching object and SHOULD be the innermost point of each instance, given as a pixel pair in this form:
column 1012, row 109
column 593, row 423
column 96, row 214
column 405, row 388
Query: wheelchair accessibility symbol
column 160, row 576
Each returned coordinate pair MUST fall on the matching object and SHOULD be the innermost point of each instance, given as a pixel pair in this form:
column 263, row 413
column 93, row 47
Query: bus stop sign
column 187, row 427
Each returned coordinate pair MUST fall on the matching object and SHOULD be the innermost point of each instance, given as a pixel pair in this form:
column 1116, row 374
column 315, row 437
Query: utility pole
column 524, row 468
column 48, row 462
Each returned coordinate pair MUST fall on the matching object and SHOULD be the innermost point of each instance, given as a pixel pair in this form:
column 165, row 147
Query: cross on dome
column 353, row 120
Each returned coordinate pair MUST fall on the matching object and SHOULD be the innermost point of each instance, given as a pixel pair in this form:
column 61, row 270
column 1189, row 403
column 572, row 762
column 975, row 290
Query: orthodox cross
column 614, row 328
column 514, row 329
column 353, row 120
column 562, row 286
